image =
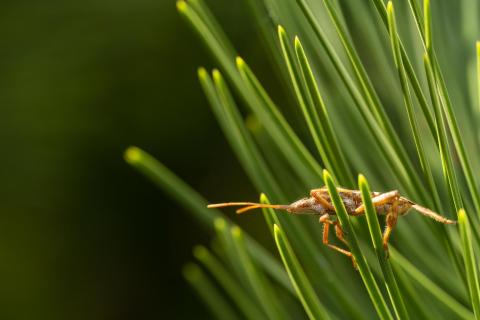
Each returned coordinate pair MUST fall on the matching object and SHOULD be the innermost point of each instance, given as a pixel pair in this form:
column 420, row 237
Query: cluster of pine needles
column 388, row 90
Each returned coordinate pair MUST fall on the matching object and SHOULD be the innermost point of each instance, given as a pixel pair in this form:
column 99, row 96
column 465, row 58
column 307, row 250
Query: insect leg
column 381, row 199
column 339, row 232
column 326, row 228
column 318, row 195
column 325, row 218
column 433, row 215
column 338, row 229
column 391, row 222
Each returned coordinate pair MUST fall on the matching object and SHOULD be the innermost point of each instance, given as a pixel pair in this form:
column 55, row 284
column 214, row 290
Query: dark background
column 82, row 235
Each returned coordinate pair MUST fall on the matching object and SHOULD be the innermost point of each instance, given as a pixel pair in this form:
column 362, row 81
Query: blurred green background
column 82, row 235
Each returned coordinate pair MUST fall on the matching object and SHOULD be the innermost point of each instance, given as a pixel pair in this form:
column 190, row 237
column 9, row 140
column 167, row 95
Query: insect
column 319, row 203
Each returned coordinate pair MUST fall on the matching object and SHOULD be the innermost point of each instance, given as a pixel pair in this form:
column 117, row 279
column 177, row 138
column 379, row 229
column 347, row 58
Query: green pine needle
column 374, row 227
column 259, row 285
column 363, row 267
column 206, row 290
column 310, row 302
column 228, row 282
column 471, row 264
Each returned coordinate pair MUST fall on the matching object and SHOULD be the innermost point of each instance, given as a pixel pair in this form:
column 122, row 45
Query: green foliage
column 470, row 263
column 382, row 255
column 352, row 107
column 306, row 293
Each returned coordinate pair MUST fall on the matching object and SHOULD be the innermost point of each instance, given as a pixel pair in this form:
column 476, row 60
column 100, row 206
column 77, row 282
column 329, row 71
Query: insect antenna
column 247, row 206
column 433, row 215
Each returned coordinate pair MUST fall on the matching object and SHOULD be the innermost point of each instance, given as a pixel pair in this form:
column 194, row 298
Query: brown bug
column 319, row 203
